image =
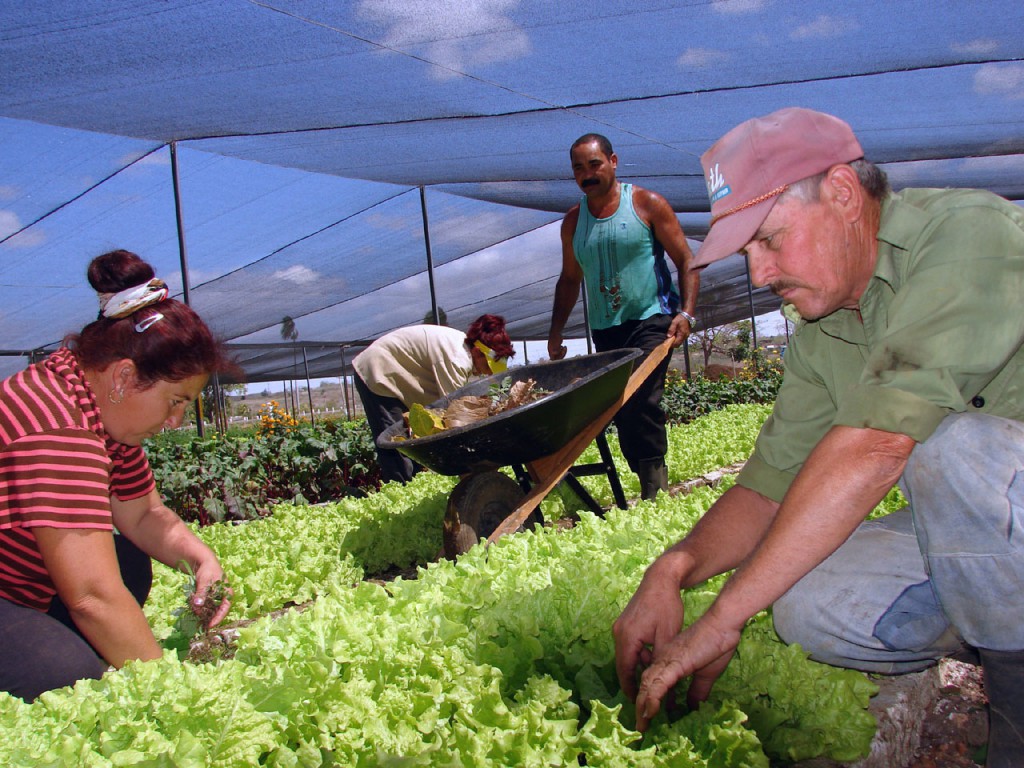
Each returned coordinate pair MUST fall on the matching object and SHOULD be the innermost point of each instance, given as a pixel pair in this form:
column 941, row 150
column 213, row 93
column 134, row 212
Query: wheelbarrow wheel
column 477, row 506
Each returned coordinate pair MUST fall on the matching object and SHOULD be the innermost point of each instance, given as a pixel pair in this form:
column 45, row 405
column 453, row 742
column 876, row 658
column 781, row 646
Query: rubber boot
column 1004, row 684
column 653, row 475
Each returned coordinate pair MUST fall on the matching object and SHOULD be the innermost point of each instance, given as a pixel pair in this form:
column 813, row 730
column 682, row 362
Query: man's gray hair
column 871, row 177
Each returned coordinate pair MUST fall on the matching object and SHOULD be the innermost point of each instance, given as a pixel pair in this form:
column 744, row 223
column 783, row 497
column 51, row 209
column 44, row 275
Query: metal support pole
column 218, row 398
column 183, row 257
column 309, row 388
column 753, row 317
column 586, row 318
column 344, row 385
column 430, row 258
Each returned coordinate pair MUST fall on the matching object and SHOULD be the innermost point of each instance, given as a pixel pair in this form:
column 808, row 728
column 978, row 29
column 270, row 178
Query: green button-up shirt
column 939, row 331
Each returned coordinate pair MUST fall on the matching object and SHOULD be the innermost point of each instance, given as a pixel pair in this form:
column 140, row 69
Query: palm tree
column 288, row 330
column 290, row 333
column 428, row 319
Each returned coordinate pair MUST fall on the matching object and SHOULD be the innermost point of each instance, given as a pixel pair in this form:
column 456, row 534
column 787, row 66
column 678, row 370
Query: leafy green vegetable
column 425, row 421
column 504, row 657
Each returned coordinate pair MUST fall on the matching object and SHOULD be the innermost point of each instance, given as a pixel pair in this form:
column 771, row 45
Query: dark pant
column 43, row 651
column 641, row 421
column 381, row 412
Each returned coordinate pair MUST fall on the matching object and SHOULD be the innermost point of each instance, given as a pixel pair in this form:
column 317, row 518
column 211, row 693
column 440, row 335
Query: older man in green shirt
column 906, row 366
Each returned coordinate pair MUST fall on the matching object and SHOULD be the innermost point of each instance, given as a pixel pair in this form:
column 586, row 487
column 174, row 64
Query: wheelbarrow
column 545, row 436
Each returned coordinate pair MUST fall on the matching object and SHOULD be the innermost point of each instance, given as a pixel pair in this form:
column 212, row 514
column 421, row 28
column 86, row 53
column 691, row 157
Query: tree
column 741, row 347
column 217, row 407
column 711, row 341
column 731, row 341
column 288, row 330
column 290, row 333
column 428, row 319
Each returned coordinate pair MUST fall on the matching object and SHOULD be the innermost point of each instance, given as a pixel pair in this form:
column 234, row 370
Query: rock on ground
column 937, row 718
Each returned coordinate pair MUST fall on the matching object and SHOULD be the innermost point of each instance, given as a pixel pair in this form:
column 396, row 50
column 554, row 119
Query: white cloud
column 701, row 57
column 457, row 34
column 297, row 274
column 462, row 232
column 1000, row 79
column 393, row 222
column 537, row 253
column 738, row 6
column 824, row 27
column 161, row 157
column 10, row 223
column 976, row 47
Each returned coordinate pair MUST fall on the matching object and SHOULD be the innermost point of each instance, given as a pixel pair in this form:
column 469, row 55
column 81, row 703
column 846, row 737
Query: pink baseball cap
column 747, row 169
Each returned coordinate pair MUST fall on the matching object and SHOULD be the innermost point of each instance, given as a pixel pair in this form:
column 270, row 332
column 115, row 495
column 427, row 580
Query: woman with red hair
column 80, row 515
column 421, row 364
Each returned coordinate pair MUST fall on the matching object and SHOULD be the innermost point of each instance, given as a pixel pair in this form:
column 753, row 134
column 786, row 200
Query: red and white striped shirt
column 58, row 468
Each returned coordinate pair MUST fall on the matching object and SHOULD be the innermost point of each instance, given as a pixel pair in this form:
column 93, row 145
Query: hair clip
column 142, row 325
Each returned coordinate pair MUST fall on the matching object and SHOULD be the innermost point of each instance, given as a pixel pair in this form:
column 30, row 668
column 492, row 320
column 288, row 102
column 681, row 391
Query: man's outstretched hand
column 702, row 651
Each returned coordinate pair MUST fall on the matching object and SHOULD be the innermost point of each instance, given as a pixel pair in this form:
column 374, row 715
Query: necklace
column 609, row 284
column 608, row 263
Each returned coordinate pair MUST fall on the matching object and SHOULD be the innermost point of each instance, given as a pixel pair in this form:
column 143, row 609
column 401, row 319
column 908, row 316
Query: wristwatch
column 690, row 319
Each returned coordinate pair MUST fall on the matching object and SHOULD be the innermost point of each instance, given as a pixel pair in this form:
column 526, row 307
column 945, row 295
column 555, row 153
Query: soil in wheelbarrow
column 582, row 388
column 469, row 409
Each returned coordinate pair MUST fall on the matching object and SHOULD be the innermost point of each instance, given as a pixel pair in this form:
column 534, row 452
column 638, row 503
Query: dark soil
column 955, row 729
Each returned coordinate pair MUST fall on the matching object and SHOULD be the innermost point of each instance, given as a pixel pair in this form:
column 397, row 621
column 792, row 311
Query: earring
column 120, row 397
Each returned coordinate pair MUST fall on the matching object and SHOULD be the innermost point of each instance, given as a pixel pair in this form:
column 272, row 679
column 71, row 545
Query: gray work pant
column 945, row 571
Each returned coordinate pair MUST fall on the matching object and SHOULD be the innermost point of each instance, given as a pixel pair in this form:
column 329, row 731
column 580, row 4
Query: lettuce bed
column 504, row 657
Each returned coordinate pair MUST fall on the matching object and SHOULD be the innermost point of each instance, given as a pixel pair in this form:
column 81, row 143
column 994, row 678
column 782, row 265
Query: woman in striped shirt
column 72, row 470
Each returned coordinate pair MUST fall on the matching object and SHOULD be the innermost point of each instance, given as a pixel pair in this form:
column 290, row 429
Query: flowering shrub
column 274, row 420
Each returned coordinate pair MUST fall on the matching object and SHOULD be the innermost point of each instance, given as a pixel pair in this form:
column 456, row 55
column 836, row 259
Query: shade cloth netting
column 320, row 145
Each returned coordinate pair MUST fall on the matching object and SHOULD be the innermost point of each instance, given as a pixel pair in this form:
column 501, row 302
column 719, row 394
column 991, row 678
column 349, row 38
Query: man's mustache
column 782, row 285
column 589, row 183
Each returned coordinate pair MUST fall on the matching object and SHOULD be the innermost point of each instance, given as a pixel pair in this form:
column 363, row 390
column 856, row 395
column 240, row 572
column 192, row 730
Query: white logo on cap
column 717, row 187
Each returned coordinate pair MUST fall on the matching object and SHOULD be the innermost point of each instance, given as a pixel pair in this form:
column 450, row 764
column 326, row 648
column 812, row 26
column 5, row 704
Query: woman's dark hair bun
column 166, row 340
column 115, row 271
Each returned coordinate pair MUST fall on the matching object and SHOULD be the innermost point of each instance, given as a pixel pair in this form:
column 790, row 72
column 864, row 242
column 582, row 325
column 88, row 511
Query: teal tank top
column 623, row 266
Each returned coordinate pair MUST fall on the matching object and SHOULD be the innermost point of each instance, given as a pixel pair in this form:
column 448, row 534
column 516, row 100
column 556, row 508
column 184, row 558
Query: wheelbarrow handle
column 643, row 371
column 547, row 472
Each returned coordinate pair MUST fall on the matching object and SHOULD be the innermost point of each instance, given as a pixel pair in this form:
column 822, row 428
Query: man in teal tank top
column 615, row 241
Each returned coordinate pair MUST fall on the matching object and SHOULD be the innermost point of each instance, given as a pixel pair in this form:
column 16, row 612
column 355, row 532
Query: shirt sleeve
column 131, row 477
column 804, row 411
column 952, row 324
column 58, row 479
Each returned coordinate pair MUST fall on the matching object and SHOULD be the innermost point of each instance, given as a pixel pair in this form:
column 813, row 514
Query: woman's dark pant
column 381, row 412
column 43, row 651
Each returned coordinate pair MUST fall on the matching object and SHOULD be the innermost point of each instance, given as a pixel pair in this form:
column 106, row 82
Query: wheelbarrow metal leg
column 611, row 471
column 604, row 467
column 548, row 471
column 578, row 488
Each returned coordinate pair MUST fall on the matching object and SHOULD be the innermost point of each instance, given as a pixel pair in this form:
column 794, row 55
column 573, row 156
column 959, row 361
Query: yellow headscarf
column 495, row 363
